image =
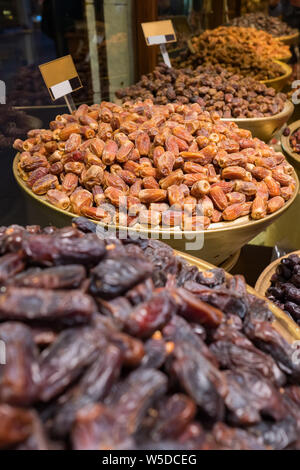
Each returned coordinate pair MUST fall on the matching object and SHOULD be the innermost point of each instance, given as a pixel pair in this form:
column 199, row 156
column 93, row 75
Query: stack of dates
column 172, row 165
column 213, row 87
column 294, row 139
column 285, row 286
column 115, row 344
column 271, row 24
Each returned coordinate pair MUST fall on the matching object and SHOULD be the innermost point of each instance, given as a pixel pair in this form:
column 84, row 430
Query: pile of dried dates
column 271, row 24
column 294, row 139
column 13, row 124
column 213, row 87
column 262, row 43
column 216, row 47
column 114, row 344
column 285, row 286
column 153, row 165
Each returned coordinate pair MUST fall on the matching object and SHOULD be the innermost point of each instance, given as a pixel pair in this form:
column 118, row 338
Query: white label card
column 156, row 40
column 61, row 89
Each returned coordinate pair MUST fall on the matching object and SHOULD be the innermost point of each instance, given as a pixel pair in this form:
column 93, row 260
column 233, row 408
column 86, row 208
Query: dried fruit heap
column 13, row 124
column 240, row 50
column 121, row 345
column 213, row 87
column 271, row 24
column 285, row 286
column 154, row 162
column 262, row 43
column 294, row 140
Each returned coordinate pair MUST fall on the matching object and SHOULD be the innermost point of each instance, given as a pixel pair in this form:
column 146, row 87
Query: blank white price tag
column 61, row 89
column 161, row 39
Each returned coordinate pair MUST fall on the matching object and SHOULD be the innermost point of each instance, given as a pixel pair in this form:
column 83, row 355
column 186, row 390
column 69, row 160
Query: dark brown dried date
column 58, row 277
column 15, row 425
column 10, row 264
column 200, row 379
column 149, row 316
column 195, row 310
column 45, row 305
column 94, row 385
column 19, row 376
column 113, row 277
column 66, row 358
column 249, row 394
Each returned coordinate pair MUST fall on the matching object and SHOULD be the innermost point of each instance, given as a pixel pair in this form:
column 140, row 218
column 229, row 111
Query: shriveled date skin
column 174, row 414
column 66, row 358
column 60, row 249
column 96, row 428
column 196, row 310
column 19, row 376
column 235, row 439
column 249, row 395
column 10, row 264
column 133, row 398
column 94, row 385
column 264, row 336
column 278, row 435
column 29, row 304
column 200, row 379
column 149, row 316
column 15, row 425
column 38, row 439
column 58, row 277
column 227, row 300
column 114, row 427
column 238, row 351
column 113, row 277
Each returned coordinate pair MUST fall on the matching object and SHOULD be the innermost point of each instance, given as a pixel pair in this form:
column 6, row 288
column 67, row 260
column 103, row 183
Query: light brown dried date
column 234, row 211
column 79, row 199
column 275, row 203
column 152, row 195
column 43, row 184
column 58, row 198
column 219, row 198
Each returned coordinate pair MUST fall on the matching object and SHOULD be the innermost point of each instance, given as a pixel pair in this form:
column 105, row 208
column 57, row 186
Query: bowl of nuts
column 264, row 127
column 173, row 172
column 290, row 142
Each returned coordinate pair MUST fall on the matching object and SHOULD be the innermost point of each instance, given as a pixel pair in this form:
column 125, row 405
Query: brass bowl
column 282, row 322
column 264, row 281
column 279, row 82
column 285, row 59
column 292, row 156
column 290, row 40
column 221, row 240
column 263, row 128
